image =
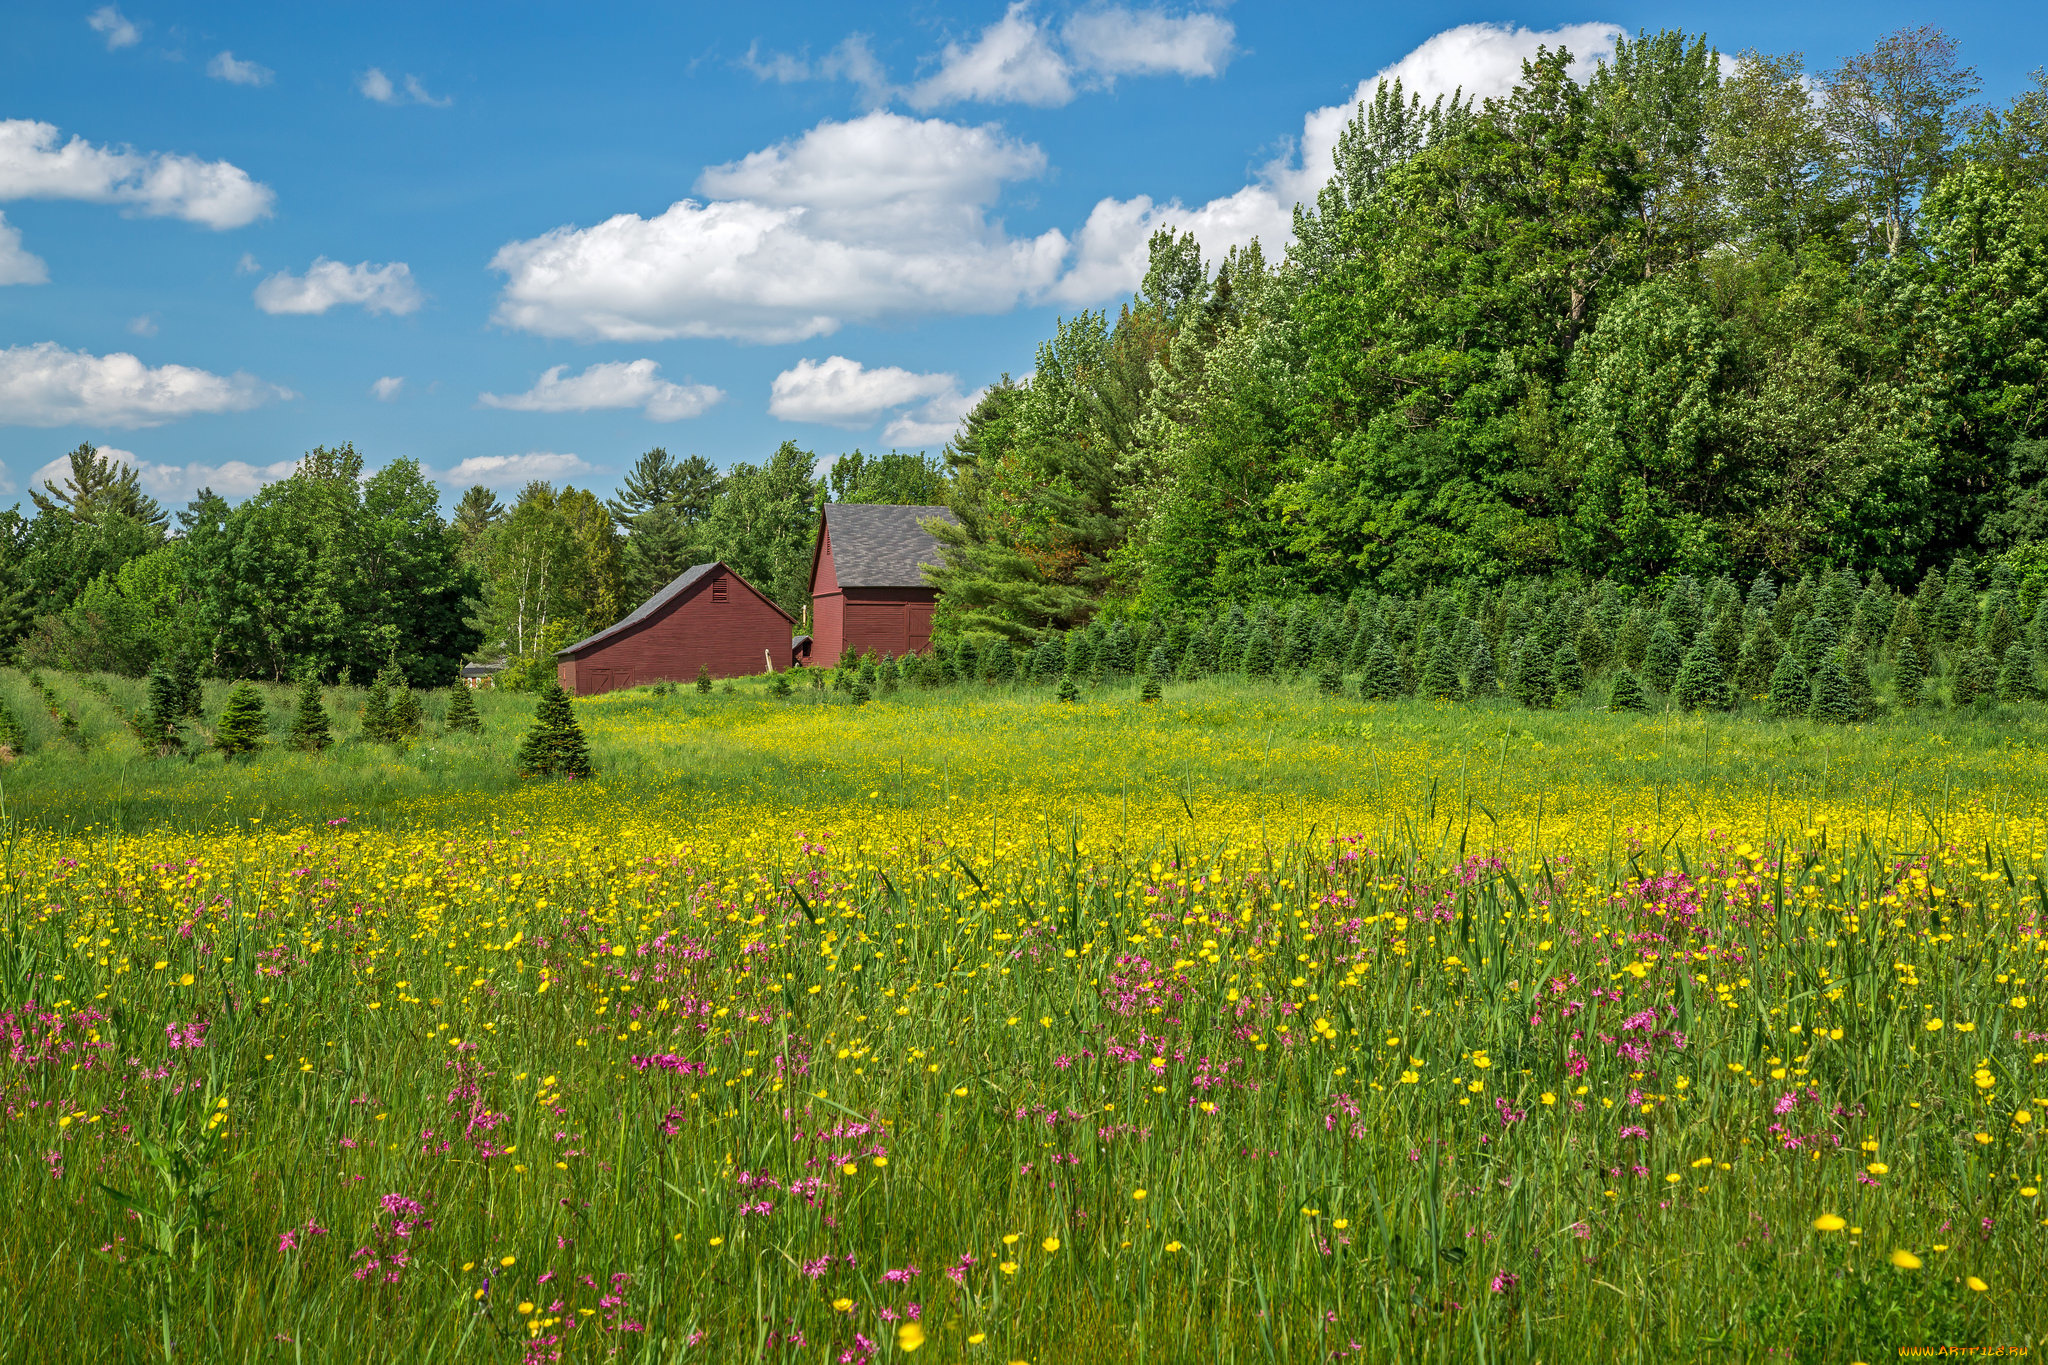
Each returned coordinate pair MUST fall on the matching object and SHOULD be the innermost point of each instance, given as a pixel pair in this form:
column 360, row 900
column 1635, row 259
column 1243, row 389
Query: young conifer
column 1570, row 672
column 1259, row 661
column 703, row 679
column 1759, row 657
column 1909, row 672
column 157, row 726
column 13, row 744
column 778, row 686
column 1976, row 677
column 1663, row 657
column 405, row 711
column 1482, row 679
column 462, row 717
column 2017, row 680
column 1834, row 698
column 554, row 746
column 1791, row 692
column 377, row 713
column 310, row 732
column 191, row 696
column 242, row 724
column 1440, row 673
column 1067, row 690
column 1381, row 675
column 1701, row 686
column 1535, row 676
column 1628, row 693
column 1151, row 691
column 1329, row 678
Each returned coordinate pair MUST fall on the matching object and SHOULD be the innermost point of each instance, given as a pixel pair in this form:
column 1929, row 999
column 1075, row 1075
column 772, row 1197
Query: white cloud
column 45, row 385
column 18, row 265
column 387, row 389
column 1118, row 42
column 616, row 384
column 112, row 25
column 224, row 67
column 881, row 216
column 842, row 392
column 379, row 289
column 143, row 325
column 1014, row 61
column 247, row 265
column 375, row 85
column 178, row 482
column 853, row 60
column 509, row 471
column 935, row 423
column 160, row 185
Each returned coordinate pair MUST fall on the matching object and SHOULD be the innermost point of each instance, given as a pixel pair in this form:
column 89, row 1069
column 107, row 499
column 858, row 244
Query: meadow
column 968, row 1025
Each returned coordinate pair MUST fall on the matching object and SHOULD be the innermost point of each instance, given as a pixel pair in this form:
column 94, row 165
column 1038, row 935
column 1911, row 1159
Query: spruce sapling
column 242, row 722
column 310, row 732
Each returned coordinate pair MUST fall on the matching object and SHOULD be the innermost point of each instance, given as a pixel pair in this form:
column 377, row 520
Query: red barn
column 866, row 591
column 709, row 617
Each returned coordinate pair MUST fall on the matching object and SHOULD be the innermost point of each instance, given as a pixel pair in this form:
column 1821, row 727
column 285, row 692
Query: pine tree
column 1628, row 693
column 1791, row 693
column 1701, row 685
column 1663, row 658
column 405, row 711
column 1759, row 657
column 778, row 686
column 998, row 661
column 1976, row 677
column 1330, row 679
column 863, row 691
column 1439, row 674
column 1834, row 701
column 462, row 715
column 1816, row 639
column 377, row 713
column 1258, row 655
column 703, row 679
column 2001, row 632
column 191, row 696
column 1482, row 679
column 2017, row 680
column 1381, row 680
column 1909, row 673
column 310, row 732
column 555, row 746
column 1190, row 666
column 1067, row 690
column 157, row 727
column 1632, row 640
column 1726, row 633
column 242, row 724
column 1763, row 595
column 1592, row 645
column 1535, row 676
column 1571, row 674
column 1150, row 692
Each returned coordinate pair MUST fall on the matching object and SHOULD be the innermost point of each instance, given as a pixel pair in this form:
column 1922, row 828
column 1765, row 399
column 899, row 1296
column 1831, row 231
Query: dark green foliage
column 1725, row 631
column 1663, row 658
column 1701, row 685
column 377, row 713
column 1259, row 661
column 11, row 739
column 1628, row 694
column 703, row 679
column 1834, row 696
column 1482, row 679
column 1151, row 691
column 2001, row 631
column 1380, row 678
column 1791, row 692
column 778, row 686
column 2017, row 678
column 1160, row 664
column 1570, row 673
column 998, row 661
column 1757, row 661
column 406, row 714
column 158, row 725
column 1632, row 640
column 863, row 691
column 554, row 746
column 185, row 672
column 1592, row 645
column 462, row 717
column 310, row 732
column 1067, row 690
column 1535, row 683
column 1816, row 639
column 242, row 724
column 1330, row 678
column 1439, row 674
column 1976, row 677
column 1909, row 672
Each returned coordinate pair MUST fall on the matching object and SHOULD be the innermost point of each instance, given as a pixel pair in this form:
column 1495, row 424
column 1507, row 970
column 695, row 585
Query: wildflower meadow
column 1252, row 1024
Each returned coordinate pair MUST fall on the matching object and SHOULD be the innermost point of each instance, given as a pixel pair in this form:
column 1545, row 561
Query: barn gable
column 868, row 591
column 707, row 617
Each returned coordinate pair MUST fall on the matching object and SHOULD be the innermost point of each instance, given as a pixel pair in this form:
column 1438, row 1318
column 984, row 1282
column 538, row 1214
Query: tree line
column 345, row 573
column 1694, row 316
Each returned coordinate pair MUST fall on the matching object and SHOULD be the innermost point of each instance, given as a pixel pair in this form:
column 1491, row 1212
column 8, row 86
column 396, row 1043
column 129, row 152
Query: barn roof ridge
column 677, row 586
column 882, row 545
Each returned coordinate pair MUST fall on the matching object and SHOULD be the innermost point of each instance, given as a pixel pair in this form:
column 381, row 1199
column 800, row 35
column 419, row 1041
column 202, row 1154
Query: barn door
column 920, row 622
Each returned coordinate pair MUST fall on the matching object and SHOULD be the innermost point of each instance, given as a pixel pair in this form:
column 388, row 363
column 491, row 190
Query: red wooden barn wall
column 719, row 623
column 894, row 621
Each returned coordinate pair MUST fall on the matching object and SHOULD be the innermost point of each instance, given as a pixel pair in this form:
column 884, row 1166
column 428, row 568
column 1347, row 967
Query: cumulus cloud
column 934, row 423
column 842, row 392
column 17, row 264
column 379, row 289
column 387, row 389
column 178, row 482
column 45, row 385
column 143, row 325
column 224, row 67
column 112, row 25
column 509, row 471
column 375, row 85
column 853, row 60
column 1014, row 61
column 1125, row 42
column 157, row 184
column 881, row 216
column 617, row 384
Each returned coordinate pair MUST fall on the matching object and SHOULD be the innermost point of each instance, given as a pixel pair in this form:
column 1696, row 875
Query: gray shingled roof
column 676, row 588
column 880, row 546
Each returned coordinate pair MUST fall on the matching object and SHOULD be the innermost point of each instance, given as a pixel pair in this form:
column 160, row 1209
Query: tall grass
column 1427, row 1033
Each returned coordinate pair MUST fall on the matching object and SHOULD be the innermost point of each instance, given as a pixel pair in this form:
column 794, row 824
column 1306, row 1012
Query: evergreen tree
column 703, row 679
column 1763, row 595
column 1909, row 673
column 1571, row 674
column 405, row 711
column 1757, row 661
column 889, row 675
column 1120, row 658
column 1976, row 677
column 310, row 732
column 554, row 746
column 1080, row 654
column 1535, row 676
column 191, row 696
column 863, row 691
column 13, row 744
column 1160, row 664
column 1067, row 690
column 998, row 663
column 1663, row 658
column 1862, row 692
column 2017, row 680
column 1330, row 679
column 1701, row 685
column 1482, row 679
column 1381, row 680
column 2001, row 631
column 1816, row 639
column 779, row 685
column 1725, row 631
column 1791, row 693
column 1439, row 675
column 1632, row 640
column 1592, row 645
column 463, row 719
column 1258, row 655
column 1190, row 666
column 1151, row 691
column 377, row 727
column 158, row 725
column 242, row 724
column 1834, row 700
column 1628, row 693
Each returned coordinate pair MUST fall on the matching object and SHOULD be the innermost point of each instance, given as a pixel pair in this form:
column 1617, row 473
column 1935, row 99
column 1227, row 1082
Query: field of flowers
column 1248, row 1026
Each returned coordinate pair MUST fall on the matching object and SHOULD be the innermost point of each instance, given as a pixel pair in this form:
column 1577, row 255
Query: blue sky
column 528, row 240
